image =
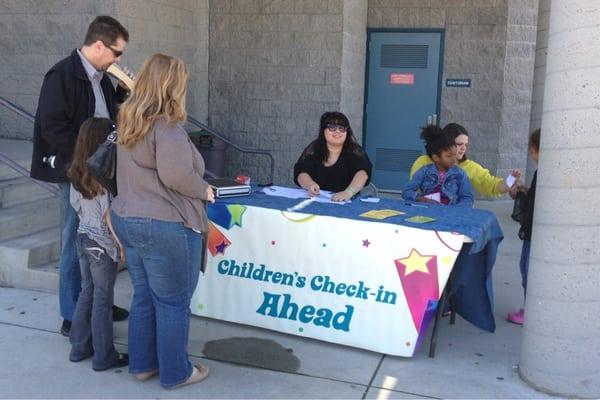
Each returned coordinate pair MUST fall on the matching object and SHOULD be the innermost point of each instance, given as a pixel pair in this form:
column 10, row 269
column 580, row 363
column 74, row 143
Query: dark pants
column 524, row 264
column 69, row 275
column 92, row 329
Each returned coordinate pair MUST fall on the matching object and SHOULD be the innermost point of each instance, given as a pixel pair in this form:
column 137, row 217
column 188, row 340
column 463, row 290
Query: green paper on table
column 420, row 219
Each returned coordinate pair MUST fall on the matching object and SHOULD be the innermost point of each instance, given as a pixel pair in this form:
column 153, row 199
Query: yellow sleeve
column 482, row 180
column 420, row 163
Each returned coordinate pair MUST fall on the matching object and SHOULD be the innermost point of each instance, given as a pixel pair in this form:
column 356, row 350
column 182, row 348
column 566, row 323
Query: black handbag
column 518, row 213
column 103, row 163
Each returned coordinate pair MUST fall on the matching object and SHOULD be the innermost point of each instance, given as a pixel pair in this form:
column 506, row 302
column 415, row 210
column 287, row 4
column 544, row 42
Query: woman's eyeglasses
column 336, row 127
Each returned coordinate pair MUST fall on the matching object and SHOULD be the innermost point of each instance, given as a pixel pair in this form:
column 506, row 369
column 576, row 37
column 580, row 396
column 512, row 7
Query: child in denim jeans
column 518, row 317
column 441, row 182
column 92, row 328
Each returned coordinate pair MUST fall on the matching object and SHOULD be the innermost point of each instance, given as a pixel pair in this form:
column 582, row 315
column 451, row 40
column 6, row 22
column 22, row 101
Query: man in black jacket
column 73, row 90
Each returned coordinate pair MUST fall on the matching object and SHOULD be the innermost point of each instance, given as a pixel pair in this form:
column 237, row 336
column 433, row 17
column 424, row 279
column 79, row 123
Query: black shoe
column 65, row 329
column 78, row 359
column 121, row 362
column 119, row 314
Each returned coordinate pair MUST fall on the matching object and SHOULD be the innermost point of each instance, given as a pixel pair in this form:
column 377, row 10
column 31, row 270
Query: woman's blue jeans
column 163, row 259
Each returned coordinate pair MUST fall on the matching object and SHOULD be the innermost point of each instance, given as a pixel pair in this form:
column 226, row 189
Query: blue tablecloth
column 472, row 281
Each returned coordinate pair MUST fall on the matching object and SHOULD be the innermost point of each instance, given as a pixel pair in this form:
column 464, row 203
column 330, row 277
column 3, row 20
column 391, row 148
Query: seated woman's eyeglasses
column 336, row 127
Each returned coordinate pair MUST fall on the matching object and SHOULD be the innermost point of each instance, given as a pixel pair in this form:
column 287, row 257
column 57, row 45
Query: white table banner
column 371, row 285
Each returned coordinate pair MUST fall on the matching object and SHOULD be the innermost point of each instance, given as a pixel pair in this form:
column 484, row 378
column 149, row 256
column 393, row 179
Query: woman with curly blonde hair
column 159, row 216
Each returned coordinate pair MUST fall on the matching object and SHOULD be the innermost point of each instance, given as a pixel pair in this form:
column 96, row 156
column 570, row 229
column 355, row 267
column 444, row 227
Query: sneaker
column 119, row 314
column 65, row 329
column 517, row 317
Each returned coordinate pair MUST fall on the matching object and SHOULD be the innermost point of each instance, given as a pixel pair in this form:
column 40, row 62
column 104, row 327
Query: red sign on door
column 402, row 79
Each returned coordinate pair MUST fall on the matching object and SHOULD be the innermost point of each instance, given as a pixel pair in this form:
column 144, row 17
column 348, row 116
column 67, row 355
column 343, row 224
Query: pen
column 302, row 204
column 416, row 205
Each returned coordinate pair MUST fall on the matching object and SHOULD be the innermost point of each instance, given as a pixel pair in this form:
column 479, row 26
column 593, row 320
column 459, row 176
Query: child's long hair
column 436, row 140
column 159, row 92
column 92, row 134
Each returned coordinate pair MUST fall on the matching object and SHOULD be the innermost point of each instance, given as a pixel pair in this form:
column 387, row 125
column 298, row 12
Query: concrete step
column 31, row 251
column 20, row 190
column 24, row 219
column 43, row 278
column 7, row 172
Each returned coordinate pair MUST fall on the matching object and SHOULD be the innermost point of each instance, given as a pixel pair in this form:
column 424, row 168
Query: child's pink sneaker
column 517, row 317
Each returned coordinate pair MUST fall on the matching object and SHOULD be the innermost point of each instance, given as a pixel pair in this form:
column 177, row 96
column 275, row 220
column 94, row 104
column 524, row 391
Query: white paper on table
column 434, row 196
column 325, row 197
column 510, row 181
column 290, row 193
column 294, row 193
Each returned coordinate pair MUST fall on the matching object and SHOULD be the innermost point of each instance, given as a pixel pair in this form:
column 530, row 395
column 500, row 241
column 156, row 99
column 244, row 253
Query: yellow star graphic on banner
column 415, row 262
column 236, row 211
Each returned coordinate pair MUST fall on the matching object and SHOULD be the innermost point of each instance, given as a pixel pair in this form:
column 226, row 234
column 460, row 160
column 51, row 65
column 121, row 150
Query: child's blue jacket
column 456, row 187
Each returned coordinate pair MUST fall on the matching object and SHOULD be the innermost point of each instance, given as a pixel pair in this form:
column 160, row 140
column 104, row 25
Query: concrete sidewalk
column 248, row 362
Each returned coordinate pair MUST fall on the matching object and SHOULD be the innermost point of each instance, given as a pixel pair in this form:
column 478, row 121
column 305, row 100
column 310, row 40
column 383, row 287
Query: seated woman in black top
column 334, row 161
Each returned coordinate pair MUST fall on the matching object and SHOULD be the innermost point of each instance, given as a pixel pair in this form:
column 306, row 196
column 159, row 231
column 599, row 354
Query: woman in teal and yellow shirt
column 481, row 179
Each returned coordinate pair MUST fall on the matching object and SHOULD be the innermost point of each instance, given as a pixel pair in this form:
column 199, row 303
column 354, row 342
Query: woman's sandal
column 144, row 376
column 199, row 374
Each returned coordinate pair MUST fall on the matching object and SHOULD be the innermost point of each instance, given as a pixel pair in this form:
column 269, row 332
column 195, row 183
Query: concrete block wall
column 518, row 81
column 35, row 35
column 174, row 27
column 274, row 68
column 354, row 63
column 480, row 47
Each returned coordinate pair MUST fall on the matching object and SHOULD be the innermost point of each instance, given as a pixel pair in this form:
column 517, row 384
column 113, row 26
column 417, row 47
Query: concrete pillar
column 539, row 77
column 561, row 339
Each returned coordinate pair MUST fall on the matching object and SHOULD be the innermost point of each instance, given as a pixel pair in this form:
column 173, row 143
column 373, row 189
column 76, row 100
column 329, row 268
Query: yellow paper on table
column 381, row 214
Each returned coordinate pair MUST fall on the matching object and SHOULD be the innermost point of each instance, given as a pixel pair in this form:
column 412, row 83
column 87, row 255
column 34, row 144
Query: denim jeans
column 92, row 328
column 524, row 263
column 163, row 260
column 69, row 273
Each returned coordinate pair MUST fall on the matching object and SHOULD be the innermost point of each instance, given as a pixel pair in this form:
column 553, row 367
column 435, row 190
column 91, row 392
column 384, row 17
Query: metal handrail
column 4, row 159
column 15, row 108
column 200, row 125
column 24, row 172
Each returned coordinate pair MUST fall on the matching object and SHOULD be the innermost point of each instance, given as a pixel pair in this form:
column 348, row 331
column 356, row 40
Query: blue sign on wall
column 456, row 82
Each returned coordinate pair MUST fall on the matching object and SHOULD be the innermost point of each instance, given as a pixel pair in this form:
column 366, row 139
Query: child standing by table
column 92, row 328
column 518, row 317
column 443, row 181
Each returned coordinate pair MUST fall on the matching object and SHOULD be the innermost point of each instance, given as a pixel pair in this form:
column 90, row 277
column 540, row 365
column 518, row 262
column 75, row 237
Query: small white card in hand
column 434, row 196
column 510, row 181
